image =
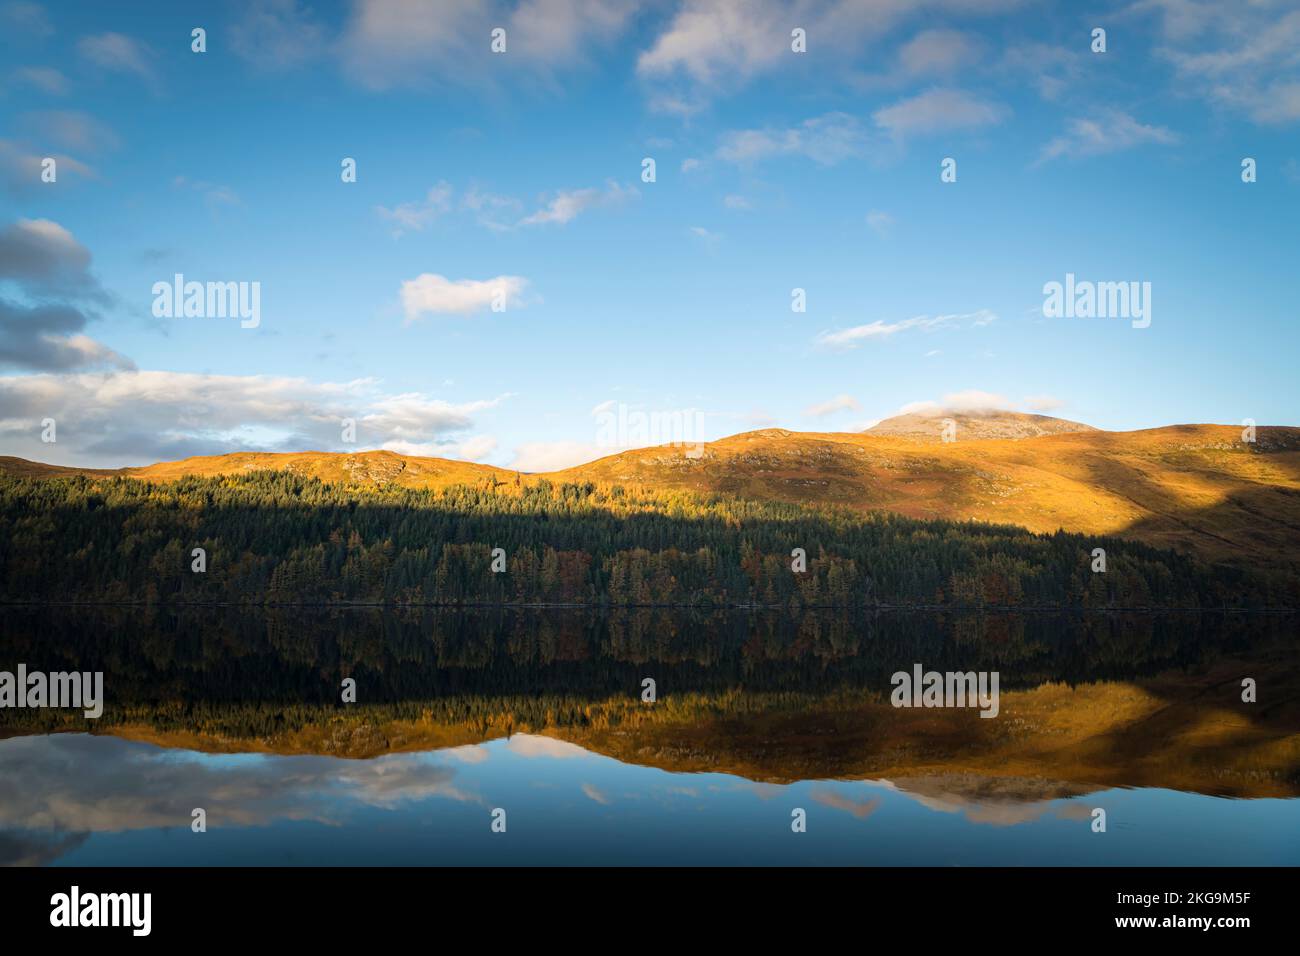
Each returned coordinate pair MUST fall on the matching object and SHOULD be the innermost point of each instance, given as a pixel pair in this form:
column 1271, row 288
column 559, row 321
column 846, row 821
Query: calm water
column 537, row 714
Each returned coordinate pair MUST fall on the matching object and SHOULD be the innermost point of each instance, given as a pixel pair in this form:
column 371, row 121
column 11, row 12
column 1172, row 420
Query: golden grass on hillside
column 1180, row 731
column 1196, row 488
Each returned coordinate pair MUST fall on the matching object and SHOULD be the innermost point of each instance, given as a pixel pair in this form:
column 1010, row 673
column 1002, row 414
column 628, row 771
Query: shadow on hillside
column 1266, row 516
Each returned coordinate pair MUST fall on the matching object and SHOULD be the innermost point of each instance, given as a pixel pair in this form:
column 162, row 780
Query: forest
column 258, row 672
column 275, row 538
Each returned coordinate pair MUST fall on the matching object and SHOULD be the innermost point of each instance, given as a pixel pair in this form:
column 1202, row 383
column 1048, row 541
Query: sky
column 505, row 282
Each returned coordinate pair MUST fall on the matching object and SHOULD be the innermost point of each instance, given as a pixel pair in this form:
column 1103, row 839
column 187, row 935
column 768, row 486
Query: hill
column 1195, row 488
column 975, row 425
column 377, row 468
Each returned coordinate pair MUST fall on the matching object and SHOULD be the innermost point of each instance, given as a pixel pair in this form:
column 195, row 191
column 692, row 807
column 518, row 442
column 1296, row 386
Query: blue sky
column 522, row 171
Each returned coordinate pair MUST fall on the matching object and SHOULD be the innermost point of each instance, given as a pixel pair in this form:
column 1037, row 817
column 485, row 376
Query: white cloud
column 565, row 205
column 1042, row 403
column 476, row 448
column 706, row 236
column 1052, row 69
column 913, row 408
column 414, row 216
column 840, row 403
column 853, row 337
column 432, row 294
column 970, row 400
column 737, row 202
column 277, row 35
column 495, row 211
column 412, row 416
column 491, row 209
column 938, row 110
column 20, row 168
column 25, row 16
column 713, row 40
column 882, row 223
column 138, row 417
column 555, row 32
column 472, row 449
column 718, row 45
column 44, row 78
column 974, row 400
column 938, row 52
column 117, row 52
column 215, row 194
column 683, row 107
column 557, row 455
column 1109, row 131
column 73, row 130
column 826, row 140
column 1241, row 56
column 391, row 43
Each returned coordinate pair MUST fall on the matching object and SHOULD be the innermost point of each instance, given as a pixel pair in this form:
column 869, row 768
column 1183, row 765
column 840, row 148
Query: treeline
column 253, row 672
column 278, row 538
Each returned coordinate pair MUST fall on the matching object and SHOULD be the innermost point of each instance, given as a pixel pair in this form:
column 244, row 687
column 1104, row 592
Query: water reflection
column 75, row 799
column 539, row 713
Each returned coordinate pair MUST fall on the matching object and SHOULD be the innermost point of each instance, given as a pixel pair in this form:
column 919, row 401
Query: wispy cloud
column 119, row 53
column 20, row 167
column 1109, row 131
column 878, row 330
column 415, row 216
column 827, row 140
column 939, row 110
column 713, row 47
column 25, row 17
column 841, row 403
column 1042, row 403
column 44, row 78
column 401, row 43
column 72, row 129
column 1240, row 57
column 565, row 205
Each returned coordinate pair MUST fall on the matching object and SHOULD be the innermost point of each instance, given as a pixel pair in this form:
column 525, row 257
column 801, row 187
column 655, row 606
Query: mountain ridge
column 975, row 425
column 1196, row 488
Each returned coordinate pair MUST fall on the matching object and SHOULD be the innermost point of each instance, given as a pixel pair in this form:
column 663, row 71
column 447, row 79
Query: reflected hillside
column 1087, row 700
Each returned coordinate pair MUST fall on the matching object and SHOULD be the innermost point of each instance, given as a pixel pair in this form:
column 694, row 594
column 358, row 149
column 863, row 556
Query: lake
column 522, row 736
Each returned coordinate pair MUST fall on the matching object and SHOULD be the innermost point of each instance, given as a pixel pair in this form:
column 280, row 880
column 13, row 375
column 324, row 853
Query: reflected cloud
column 996, row 801
column 530, row 745
column 470, row 753
column 595, row 793
column 79, row 784
column 831, row 798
